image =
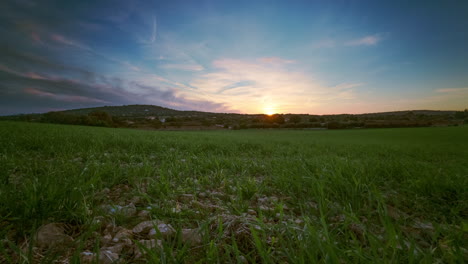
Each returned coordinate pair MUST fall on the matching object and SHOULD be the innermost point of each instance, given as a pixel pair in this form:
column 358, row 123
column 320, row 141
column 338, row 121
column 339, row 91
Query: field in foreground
column 71, row 194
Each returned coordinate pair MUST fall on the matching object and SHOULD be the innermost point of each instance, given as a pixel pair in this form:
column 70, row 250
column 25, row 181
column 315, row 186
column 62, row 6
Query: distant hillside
column 133, row 111
column 157, row 117
column 415, row 112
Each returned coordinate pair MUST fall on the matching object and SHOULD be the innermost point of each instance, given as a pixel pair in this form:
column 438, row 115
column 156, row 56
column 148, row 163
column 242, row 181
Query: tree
column 295, row 119
column 276, row 118
column 101, row 118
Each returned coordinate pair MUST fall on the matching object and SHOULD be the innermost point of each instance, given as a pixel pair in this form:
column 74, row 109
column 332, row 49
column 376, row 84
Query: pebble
column 191, row 236
column 166, row 230
column 52, row 234
column 146, row 244
column 251, row 212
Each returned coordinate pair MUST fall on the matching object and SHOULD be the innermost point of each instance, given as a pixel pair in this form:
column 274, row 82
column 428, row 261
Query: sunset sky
column 316, row 57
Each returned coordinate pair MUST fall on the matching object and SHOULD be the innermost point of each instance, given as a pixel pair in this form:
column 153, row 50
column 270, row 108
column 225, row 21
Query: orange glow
column 269, row 110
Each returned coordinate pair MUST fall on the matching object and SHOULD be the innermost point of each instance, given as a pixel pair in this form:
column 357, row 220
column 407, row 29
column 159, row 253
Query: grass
column 267, row 196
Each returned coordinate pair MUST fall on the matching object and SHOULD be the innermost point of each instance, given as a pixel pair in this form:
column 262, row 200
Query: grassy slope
column 335, row 189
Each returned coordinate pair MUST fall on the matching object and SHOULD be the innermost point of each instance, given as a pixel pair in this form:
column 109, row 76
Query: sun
column 269, row 111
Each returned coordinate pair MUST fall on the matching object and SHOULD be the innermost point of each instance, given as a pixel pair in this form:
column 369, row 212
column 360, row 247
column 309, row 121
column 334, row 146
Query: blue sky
column 317, row 57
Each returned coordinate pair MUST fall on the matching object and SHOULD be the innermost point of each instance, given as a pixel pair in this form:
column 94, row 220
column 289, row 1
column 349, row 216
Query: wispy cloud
column 453, row 90
column 275, row 60
column 66, row 41
column 63, row 97
column 183, row 67
column 153, row 35
column 369, row 40
column 343, row 86
column 30, row 80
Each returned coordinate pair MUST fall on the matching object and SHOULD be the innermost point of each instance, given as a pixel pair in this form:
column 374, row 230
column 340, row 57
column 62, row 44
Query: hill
column 157, row 117
column 134, row 111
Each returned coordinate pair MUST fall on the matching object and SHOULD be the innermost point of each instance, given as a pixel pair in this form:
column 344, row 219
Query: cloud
column 183, row 67
column 370, row 40
column 440, row 99
column 275, row 60
column 63, row 40
column 344, row 86
column 63, row 97
column 452, row 90
column 153, row 36
column 31, row 84
column 257, row 85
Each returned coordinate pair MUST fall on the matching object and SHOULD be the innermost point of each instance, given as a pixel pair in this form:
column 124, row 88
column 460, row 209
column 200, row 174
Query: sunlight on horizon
column 269, row 110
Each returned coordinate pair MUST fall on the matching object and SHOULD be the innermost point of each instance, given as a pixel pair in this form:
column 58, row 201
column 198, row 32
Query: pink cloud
column 31, row 75
column 452, row 90
column 370, row 40
column 36, row 37
column 36, row 76
column 63, row 40
column 274, row 60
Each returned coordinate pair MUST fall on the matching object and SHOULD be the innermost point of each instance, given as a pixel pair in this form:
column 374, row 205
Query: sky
column 315, row 57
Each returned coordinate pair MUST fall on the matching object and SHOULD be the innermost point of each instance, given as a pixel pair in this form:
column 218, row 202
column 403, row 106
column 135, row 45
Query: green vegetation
column 156, row 117
column 267, row 196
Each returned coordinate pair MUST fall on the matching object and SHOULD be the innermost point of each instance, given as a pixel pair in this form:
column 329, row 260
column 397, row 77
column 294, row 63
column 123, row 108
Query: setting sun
column 269, row 111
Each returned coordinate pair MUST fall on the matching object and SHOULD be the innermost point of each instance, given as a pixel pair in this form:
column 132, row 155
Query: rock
column 219, row 195
column 251, row 212
column 122, row 233
column 144, row 214
column 358, row 231
column 209, row 207
column 129, row 210
column 191, row 236
column 186, row 197
column 144, row 226
column 106, row 239
column 396, row 214
column 108, row 257
column 298, row 221
column 117, row 248
column 105, row 257
column 265, row 208
column 52, row 235
column 135, row 200
column 166, row 231
column 99, row 220
column 423, row 225
column 338, row 218
column 242, row 259
column 127, row 242
column 87, row 257
column 110, row 209
column 146, row 244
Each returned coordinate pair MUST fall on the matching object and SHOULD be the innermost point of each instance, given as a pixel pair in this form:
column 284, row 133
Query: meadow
column 245, row 196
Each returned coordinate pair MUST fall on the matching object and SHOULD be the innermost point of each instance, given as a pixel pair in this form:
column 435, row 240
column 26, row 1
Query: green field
column 256, row 196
